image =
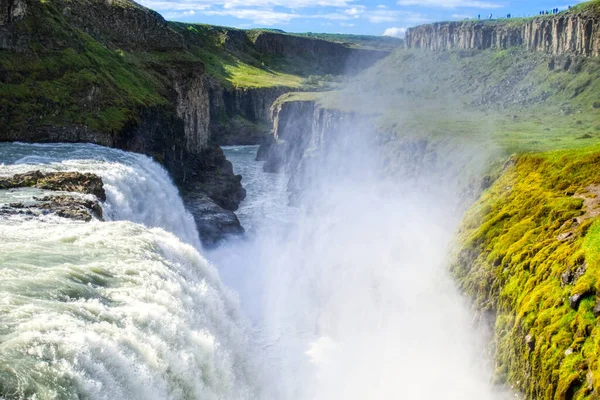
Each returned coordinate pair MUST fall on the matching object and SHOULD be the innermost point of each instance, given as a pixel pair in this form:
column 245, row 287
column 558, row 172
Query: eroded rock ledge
column 63, row 205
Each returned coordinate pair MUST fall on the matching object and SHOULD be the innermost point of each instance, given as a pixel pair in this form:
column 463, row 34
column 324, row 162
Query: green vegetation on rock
column 530, row 250
column 83, row 83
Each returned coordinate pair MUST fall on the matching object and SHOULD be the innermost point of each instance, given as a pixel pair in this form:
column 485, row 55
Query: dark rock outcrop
column 60, row 181
column 64, row 205
column 577, row 34
column 292, row 132
column 214, row 222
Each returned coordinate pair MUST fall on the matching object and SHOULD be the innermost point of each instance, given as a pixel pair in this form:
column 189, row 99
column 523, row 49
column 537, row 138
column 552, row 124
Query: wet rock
column 575, row 299
column 65, row 206
column 530, row 342
column 597, row 309
column 59, row 181
column 214, row 222
column 572, row 274
column 70, row 207
column 486, row 182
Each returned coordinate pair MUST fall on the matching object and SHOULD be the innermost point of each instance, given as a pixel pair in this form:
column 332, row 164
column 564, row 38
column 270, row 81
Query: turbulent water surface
column 123, row 309
column 346, row 298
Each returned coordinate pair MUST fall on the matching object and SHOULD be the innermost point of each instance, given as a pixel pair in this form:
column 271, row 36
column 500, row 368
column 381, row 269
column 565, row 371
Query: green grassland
column 358, row 41
column 84, row 83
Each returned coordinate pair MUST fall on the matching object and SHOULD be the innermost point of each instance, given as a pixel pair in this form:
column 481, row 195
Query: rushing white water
column 122, row 309
column 137, row 189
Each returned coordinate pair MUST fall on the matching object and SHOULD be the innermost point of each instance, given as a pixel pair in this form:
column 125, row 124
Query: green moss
column 528, row 245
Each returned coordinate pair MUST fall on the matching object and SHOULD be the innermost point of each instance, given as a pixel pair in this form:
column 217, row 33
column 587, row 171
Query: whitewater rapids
column 123, row 309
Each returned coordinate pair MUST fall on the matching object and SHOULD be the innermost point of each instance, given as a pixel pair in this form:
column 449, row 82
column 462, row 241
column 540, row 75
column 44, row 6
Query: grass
column 358, row 41
column 231, row 58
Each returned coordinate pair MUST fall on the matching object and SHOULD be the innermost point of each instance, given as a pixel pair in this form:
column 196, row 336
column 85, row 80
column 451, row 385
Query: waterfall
column 137, row 188
column 122, row 309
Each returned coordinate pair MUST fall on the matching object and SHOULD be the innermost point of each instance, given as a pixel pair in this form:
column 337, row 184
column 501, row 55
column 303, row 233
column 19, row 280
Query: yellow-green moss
column 524, row 245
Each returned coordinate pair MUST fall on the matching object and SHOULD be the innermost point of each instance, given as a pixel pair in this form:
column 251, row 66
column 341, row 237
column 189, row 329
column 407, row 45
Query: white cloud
column 180, row 5
column 281, row 12
column 261, row 17
column 461, row 16
column 395, row 32
column 450, row 3
column 384, row 15
column 355, row 11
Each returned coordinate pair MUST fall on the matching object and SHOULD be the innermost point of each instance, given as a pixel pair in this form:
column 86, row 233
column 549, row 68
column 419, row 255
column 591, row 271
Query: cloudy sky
column 374, row 17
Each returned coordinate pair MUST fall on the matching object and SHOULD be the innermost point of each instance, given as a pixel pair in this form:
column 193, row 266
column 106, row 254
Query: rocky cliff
column 66, row 78
column 335, row 56
column 266, row 64
column 308, row 136
column 567, row 33
column 241, row 116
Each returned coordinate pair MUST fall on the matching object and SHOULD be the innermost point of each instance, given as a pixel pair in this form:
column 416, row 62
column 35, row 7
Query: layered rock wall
column 241, row 116
column 558, row 35
column 340, row 58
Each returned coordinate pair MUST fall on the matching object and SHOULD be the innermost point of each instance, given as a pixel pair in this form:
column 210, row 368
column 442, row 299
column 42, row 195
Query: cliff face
column 241, row 116
column 308, row 137
column 562, row 34
column 340, row 58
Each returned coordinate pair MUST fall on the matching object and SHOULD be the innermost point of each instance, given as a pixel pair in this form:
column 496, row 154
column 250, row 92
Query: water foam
column 123, row 309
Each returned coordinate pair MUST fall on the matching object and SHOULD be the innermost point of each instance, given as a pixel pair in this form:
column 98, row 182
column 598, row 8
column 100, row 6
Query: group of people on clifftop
column 543, row 12
column 490, row 16
column 550, row 12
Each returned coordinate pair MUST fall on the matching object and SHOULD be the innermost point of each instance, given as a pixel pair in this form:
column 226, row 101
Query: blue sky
column 373, row 17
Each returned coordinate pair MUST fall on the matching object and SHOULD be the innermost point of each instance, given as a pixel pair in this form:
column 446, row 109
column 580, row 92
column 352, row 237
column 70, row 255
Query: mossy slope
column 529, row 255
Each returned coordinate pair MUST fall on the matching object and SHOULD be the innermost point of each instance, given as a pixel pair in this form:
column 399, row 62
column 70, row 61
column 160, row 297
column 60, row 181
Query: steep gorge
column 117, row 74
column 527, row 251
